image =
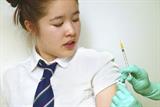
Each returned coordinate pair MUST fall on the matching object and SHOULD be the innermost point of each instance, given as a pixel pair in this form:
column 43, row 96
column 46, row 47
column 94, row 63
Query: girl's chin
column 69, row 53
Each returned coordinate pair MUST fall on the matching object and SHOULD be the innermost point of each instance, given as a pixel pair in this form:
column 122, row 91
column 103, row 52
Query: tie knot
column 48, row 69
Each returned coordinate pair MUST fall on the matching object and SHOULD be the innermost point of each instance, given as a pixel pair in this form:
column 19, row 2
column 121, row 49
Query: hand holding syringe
column 123, row 96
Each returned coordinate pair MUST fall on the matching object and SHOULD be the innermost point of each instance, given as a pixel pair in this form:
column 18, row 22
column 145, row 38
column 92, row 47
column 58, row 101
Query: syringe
column 125, row 58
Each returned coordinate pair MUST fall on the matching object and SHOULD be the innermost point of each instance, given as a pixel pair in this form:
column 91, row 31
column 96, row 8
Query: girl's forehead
column 57, row 7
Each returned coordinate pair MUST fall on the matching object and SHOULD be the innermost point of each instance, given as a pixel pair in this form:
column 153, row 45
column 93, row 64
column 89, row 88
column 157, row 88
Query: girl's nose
column 70, row 30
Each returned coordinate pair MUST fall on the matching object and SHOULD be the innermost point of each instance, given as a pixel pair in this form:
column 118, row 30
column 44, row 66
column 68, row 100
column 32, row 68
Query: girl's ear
column 29, row 26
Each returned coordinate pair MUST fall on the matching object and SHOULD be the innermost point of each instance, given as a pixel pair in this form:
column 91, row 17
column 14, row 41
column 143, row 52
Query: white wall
column 104, row 24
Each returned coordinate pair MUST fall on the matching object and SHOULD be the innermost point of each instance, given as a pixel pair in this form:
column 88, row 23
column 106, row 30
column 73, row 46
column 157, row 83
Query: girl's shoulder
column 15, row 68
column 93, row 55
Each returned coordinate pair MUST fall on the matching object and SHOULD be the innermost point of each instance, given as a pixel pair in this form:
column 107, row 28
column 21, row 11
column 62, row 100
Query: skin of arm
column 104, row 98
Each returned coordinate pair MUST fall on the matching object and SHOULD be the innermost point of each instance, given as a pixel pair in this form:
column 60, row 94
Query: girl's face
column 59, row 30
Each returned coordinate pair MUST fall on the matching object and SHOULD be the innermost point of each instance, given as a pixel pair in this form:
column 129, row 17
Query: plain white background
column 104, row 24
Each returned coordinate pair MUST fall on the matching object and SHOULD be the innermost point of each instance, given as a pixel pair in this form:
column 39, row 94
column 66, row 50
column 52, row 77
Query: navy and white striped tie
column 44, row 96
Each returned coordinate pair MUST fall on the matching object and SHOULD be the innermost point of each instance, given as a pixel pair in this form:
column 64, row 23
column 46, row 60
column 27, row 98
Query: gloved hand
column 124, row 98
column 140, row 82
column 138, row 78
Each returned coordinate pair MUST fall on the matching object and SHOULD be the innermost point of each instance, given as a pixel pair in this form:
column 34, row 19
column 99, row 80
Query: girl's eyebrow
column 57, row 17
column 76, row 12
column 60, row 17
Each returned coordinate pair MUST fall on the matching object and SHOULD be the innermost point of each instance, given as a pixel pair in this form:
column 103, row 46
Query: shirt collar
column 63, row 62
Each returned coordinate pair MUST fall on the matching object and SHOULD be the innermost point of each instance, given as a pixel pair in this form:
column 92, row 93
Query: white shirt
column 76, row 81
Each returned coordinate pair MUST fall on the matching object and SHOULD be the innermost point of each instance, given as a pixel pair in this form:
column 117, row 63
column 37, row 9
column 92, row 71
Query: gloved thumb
column 129, row 78
column 132, row 81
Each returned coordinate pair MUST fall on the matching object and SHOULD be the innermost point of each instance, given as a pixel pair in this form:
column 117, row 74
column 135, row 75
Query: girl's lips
column 70, row 45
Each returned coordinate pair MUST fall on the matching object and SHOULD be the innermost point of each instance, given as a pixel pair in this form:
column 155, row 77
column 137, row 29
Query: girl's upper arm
column 104, row 98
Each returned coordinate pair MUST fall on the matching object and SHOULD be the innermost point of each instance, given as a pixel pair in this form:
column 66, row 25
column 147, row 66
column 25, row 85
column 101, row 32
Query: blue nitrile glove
column 139, row 80
column 124, row 98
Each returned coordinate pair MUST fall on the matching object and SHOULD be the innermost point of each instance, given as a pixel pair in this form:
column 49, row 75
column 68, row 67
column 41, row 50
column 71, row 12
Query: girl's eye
column 58, row 24
column 75, row 20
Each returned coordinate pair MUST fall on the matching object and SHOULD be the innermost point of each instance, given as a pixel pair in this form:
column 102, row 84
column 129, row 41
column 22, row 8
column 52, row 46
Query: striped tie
column 44, row 96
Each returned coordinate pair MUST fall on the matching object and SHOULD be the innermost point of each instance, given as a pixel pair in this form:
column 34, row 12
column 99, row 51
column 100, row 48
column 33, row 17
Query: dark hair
column 31, row 10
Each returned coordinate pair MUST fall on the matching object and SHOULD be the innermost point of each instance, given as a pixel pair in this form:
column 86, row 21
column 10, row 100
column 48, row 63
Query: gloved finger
column 123, row 77
column 120, row 95
column 125, row 69
column 135, row 70
column 124, row 90
column 123, row 103
column 120, row 86
column 116, row 100
column 125, row 73
column 130, row 69
column 113, row 105
column 131, row 80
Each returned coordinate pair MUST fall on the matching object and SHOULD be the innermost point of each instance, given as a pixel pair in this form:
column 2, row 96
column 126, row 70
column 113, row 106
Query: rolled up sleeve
column 107, row 75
